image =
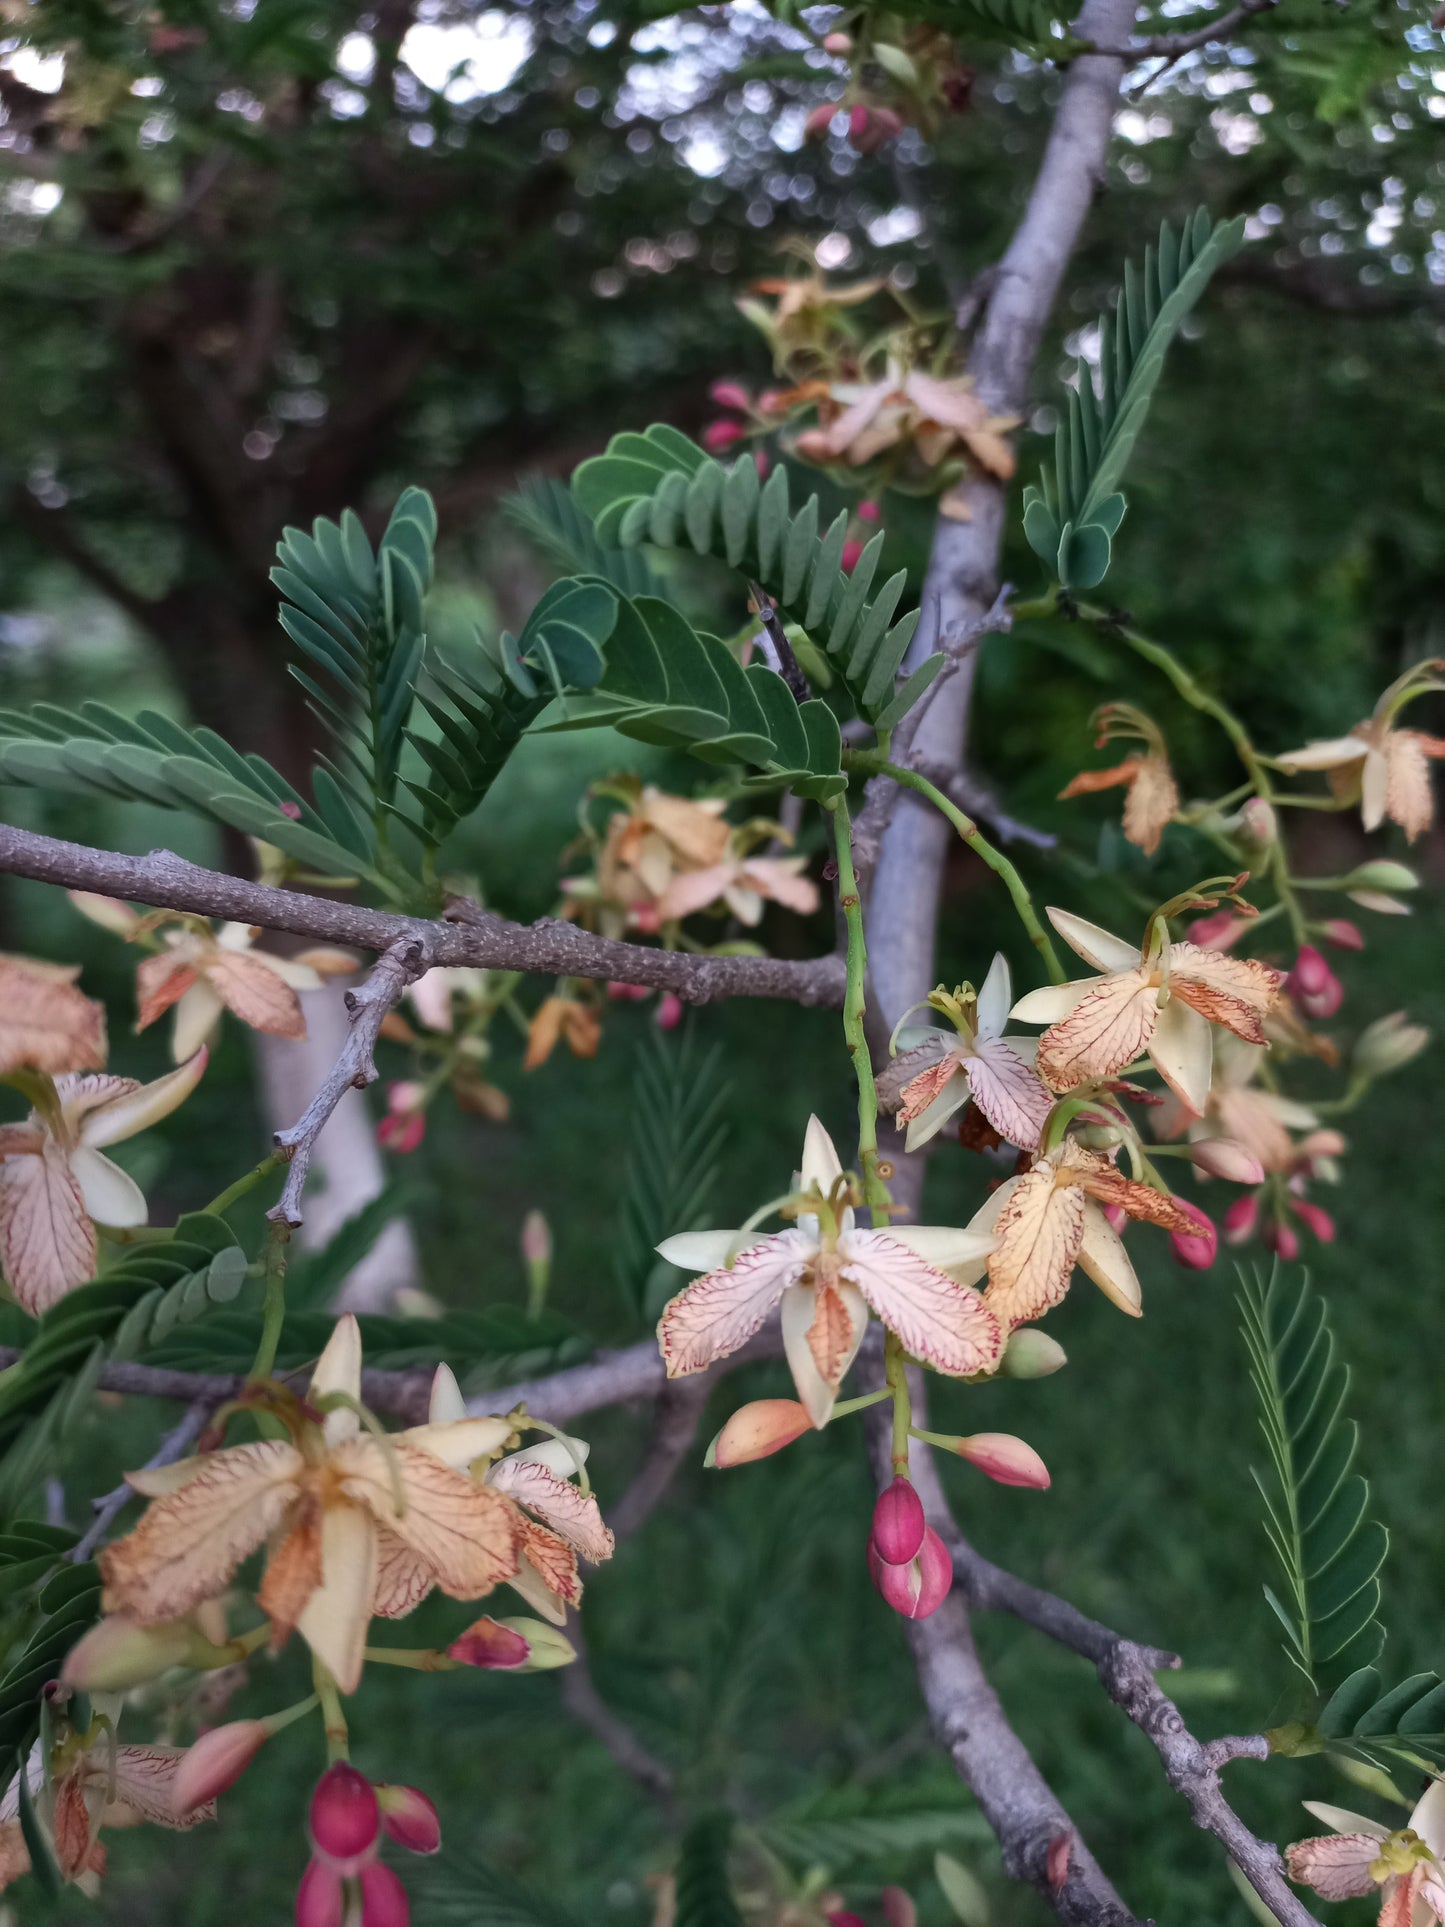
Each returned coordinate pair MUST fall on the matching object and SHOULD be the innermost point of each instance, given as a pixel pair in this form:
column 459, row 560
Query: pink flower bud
column 852, row 549
column 1196, row 1252
column 216, row 1761
column 668, row 1014
column 1240, row 1220
column 409, row 1818
column 1282, row 1239
column 813, row 446
column 858, row 120
column 758, row 1430
column 845, row 1920
column 345, row 1821
column 1006, row 1460
column 512, row 1645
column 536, row 1239
column 117, row 1654
column 293, row 810
column 1343, row 934
column 887, row 125
column 730, row 394
column 1313, row 985
column 1219, row 931
column 721, row 434
column 920, row 1587
column 1116, row 1214
column 838, row 43
column 868, row 512
column 383, row 1898
column 898, row 1908
column 401, row 1133
column 644, row 919
column 320, row 1899
column 627, row 993
column 1258, row 821
column 1316, row 1219
column 815, row 128
column 761, row 463
column 898, row 1523
column 1223, row 1157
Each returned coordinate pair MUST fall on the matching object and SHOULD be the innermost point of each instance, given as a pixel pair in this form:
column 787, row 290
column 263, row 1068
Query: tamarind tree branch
column 465, row 935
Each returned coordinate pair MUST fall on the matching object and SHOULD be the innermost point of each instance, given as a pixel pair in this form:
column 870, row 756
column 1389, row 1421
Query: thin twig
column 466, row 934
column 1170, row 46
column 396, row 969
column 173, row 1446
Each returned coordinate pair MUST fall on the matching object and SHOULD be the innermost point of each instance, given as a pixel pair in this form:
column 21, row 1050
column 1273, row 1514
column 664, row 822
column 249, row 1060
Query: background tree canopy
column 263, row 260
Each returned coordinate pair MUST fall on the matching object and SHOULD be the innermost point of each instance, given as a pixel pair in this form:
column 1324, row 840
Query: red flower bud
column 409, row 1818
column 730, row 394
column 887, row 125
column 858, row 120
column 920, row 1587
column 868, row 512
column 216, row 1761
column 816, row 126
column 1195, row 1252
column 345, row 1820
column 845, row 1920
column 1282, row 1239
column 383, row 1898
column 1313, row 985
column 722, row 434
column 1240, row 1220
column 669, row 1011
column 645, row 919
column 1220, row 931
column 1343, row 934
column 761, row 463
column 1316, row 1218
column 852, row 550
column 320, row 1899
column 490, row 1645
column 898, row 1523
column 627, row 993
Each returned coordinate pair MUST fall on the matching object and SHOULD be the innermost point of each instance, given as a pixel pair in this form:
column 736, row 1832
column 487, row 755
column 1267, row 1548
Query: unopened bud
column 898, row 1523
column 720, row 434
column 758, row 1430
column 1196, row 1251
column 669, row 1011
column 1031, row 1353
column 1282, row 1239
column 512, row 1646
column 321, row 1898
column 858, row 123
column 117, row 1654
column 409, row 1818
column 920, row 1587
column 1316, row 1219
column 845, row 1920
column 1381, row 902
column 730, row 394
column 1100, row 1137
column 1005, row 1459
column 852, row 555
column 345, row 1820
column 1220, row 930
column 868, row 511
column 1343, row 934
column 813, row 446
column 1224, row 1157
column 1240, row 1220
column 536, row 1239
column 383, row 1898
column 898, row 1908
column 838, row 43
column 1258, row 822
column 216, row 1761
column 815, row 128
column 1381, row 874
column 1388, row 1044
column 1313, row 986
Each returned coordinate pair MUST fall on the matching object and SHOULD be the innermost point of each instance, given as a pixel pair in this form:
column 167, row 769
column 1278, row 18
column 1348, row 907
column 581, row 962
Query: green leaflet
column 546, row 511
column 154, row 1289
column 1329, row 1553
column 67, row 1607
column 666, row 683
column 149, row 757
column 1071, row 521
column 483, row 703
column 679, row 1134
column 357, row 617
column 704, row 1897
column 659, row 488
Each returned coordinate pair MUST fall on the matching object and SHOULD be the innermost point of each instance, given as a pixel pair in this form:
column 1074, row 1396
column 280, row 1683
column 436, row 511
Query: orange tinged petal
column 1237, row 992
column 1408, row 797
column 46, row 1024
column 71, row 1827
column 293, row 1573
column 553, row 1561
column 546, row 1028
column 1039, row 1233
column 254, row 993
column 402, row 1580
column 159, row 983
column 830, row 1336
column 466, row 1534
column 1106, row 1182
column 47, row 1242
column 1152, row 800
column 1089, row 781
column 570, row 1512
column 187, row 1546
column 920, row 1092
column 1107, row 1029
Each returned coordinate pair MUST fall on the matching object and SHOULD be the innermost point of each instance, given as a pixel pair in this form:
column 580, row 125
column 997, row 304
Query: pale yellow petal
column 1103, row 1257
column 47, row 1242
column 572, row 1514
column 123, row 1115
column 1097, row 947
column 456, row 1442
column 339, row 1370
column 197, row 1014
column 338, row 1613
column 110, row 1195
column 1051, row 1003
column 187, row 1546
column 1110, row 1027
column 1374, row 788
column 821, row 1166
column 1182, row 1051
column 799, row 1311
column 446, row 1405
column 1039, row 1232
column 465, row 1533
column 1338, row 752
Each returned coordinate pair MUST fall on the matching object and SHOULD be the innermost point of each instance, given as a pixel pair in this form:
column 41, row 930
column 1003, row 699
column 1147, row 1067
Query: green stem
column 338, row 1738
column 420, row 1659
column 895, row 1370
column 995, row 859
column 274, row 1304
column 851, row 904
column 223, row 1201
column 847, row 1406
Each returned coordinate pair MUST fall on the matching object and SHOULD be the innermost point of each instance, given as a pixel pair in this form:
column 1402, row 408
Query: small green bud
column 1031, row 1353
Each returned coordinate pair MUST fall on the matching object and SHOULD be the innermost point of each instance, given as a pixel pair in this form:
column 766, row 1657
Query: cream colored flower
column 557, row 1521
column 341, row 1511
column 742, row 883
column 1359, row 1856
column 1388, row 768
column 56, row 1185
column 1164, row 1005
column 1051, row 1218
column 826, row 1273
column 975, row 1061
